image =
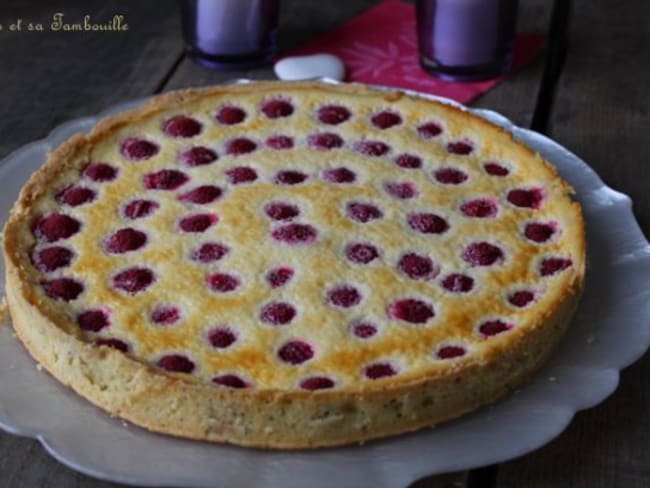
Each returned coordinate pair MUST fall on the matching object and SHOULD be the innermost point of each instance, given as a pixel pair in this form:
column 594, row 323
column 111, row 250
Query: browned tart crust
column 293, row 265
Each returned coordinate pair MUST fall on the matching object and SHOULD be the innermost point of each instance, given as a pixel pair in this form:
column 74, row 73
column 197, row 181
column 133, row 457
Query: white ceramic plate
column 611, row 330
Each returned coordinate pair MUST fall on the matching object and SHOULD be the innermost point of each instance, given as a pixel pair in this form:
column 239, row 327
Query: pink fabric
column 379, row 47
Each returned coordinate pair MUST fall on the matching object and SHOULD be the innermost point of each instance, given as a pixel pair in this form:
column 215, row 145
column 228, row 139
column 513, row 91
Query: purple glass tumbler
column 224, row 34
column 466, row 40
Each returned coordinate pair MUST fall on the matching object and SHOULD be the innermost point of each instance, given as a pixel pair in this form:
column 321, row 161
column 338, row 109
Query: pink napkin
column 379, row 46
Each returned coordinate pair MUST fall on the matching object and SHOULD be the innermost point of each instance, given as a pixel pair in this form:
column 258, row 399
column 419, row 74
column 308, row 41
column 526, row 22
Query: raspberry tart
column 293, row 265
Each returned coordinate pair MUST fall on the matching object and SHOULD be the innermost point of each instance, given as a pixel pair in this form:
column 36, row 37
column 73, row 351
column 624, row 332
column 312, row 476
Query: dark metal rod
column 555, row 56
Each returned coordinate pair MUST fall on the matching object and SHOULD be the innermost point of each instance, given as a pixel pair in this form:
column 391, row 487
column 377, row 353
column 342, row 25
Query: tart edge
column 167, row 403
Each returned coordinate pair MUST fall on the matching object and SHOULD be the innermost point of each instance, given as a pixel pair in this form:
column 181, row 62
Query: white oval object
column 313, row 66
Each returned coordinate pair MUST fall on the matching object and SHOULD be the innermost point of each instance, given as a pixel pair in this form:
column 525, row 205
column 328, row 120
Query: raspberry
column 494, row 327
column 230, row 380
column 125, row 240
column 210, row 252
column 450, row 352
column 379, row 370
column 333, row 114
column 295, row 234
column 198, row 222
column 65, row 289
column 198, row 156
column 137, row 149
column 289, row 177
column 526, row 198
column 417, row 266
column 100, row 172
column 137, row 209
column 480, row 208
column 427, row 223
column 277, row 108
column 93, row 320
column 165, row 179
column 482, row 254
column 462, row 148
column 316, row 383
column 538, row 232
column 403, row 191
column 222, row 337
column 450, row 176
column 408, row 161
column 325, row 141
column 52, row 258
column 241, row 174
column 75, row 196
column 295, row 352
column 176, row 363
column 182, row 126
column 113, row 344
column 165, row 315
column 202, row 194
column 229, row 115
column 458, row 283
column 133, row 280
column 429, row 130
column 361, row 253
column 411, row 310
column 223, row 282
column 279, row 276
column 281, row 210
column 363, row 212
column 239, row 146
column 521, row 298
column 339, row 175
column 372, row 148
column 495, row 169
column 55, row 227
column 277, row 313
column 364, row 330
column 551, row 266
column 385, row 120
column 344, row 296
column 279, row 142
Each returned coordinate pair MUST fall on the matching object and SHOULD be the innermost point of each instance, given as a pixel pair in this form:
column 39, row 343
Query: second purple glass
column 224, row 34
column 466, row 39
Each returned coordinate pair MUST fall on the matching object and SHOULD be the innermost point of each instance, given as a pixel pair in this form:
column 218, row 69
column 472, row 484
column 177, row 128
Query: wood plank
column 25, row 464
column 602, row 113
column 52, row 76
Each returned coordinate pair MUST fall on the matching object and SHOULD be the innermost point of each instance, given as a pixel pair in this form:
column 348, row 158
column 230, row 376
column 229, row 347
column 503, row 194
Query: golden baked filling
column 303, row 245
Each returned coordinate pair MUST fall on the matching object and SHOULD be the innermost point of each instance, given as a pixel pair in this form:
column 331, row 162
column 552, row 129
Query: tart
column 293, row 265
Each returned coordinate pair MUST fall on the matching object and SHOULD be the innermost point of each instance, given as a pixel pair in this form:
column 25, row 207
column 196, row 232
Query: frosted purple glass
column 224, row 34
column 466, row 39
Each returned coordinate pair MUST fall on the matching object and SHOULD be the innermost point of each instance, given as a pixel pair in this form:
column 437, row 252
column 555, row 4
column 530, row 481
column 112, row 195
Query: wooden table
column 589, row 91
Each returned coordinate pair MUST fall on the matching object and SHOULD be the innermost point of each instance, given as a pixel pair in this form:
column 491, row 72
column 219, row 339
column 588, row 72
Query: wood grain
column 602, row 113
